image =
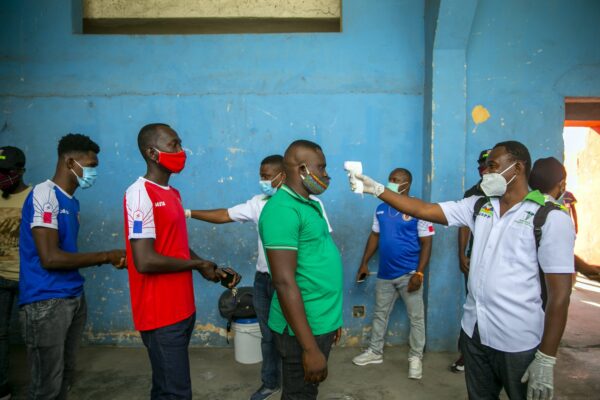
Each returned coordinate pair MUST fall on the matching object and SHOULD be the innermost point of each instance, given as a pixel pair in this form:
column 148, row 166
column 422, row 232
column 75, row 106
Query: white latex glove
column 540, row 375
column 370, row 186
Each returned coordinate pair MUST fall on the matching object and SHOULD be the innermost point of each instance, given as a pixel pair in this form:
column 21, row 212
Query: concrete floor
column 124, row 373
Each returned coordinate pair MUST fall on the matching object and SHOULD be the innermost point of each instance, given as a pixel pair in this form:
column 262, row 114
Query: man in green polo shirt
column 306, row 271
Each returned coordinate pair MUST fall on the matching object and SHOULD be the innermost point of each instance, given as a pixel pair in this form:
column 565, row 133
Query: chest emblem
column 526, row 219
column 160, row 204
column 406, row 217
column 486, row 211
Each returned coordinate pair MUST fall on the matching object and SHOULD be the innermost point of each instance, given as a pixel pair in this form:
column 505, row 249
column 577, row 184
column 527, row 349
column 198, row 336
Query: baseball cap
column 483, row 155
column 11, row 157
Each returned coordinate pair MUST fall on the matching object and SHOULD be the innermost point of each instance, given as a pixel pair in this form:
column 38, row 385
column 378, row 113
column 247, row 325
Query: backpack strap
column 482, row 201
column 539, row 219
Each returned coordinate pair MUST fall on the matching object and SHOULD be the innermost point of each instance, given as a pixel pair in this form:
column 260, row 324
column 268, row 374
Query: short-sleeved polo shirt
column 250, row 212
column 292, row 222
column 504, row 282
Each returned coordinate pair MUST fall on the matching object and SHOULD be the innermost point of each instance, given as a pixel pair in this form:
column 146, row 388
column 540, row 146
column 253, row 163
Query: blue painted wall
column 524, row 58
column 233, row 99
column 519, row 59
column 366, row 94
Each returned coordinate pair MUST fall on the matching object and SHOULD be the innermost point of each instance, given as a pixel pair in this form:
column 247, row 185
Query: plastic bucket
column 246, row 341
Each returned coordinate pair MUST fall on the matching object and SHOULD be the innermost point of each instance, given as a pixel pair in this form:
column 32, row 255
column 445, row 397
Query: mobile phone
column 229, row 278
column 361, row 278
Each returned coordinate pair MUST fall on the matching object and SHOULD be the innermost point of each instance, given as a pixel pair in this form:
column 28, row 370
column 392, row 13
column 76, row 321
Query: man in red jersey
column 160, row 282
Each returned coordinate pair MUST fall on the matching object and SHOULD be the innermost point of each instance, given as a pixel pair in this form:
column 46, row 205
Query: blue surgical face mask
column 266, row 186
column 89, row 176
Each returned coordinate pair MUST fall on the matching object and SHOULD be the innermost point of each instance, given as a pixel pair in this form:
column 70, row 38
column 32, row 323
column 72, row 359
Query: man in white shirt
column 507, row 340
column 272, row 177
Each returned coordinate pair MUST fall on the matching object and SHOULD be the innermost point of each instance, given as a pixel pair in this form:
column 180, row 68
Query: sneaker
column 264, row 393
column 368, row 357
column 458, row 366
column 415, row 368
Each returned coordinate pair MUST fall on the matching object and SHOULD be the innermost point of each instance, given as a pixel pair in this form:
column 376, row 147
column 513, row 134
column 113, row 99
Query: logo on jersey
column 47, row 213
column 138, row 221
column 160, row 204
column 406, row 217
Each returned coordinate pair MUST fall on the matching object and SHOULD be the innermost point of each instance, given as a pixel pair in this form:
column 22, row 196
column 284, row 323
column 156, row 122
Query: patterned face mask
column 314, row 183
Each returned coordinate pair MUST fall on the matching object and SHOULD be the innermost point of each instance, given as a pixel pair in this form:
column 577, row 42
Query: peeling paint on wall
column 480, row 114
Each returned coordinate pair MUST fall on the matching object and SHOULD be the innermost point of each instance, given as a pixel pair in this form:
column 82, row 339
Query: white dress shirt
column 504, row 297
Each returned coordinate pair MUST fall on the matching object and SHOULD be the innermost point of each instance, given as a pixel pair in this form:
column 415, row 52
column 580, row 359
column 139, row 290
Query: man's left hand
column 415, row 283
column 540, row 377
column 338, row 336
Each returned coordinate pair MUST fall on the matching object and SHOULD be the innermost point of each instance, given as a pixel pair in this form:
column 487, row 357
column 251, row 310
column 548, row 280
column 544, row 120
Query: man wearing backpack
column 549, row 176
column 507, row 340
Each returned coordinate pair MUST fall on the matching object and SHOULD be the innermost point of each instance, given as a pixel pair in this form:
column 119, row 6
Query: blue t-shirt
column 49, row 207
column 399, row 244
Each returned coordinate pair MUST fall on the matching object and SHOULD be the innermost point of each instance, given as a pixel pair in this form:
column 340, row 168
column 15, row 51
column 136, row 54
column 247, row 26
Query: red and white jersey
column 155, row 212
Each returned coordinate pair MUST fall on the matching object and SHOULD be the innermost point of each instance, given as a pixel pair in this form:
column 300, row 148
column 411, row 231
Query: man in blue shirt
column 52, row 305
column 404, row 245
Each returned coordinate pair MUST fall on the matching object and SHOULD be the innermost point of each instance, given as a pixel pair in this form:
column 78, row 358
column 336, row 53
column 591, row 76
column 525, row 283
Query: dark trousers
column 487, row 370
column 8, row 293
column 271, row 365
column 294, row 386
column 168, row 351
column 52, row 332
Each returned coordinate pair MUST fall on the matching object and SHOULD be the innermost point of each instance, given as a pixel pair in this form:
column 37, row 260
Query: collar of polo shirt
column 294, row 194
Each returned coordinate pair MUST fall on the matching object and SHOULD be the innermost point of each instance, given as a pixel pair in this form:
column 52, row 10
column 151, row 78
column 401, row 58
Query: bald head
column 148, row 136
column 298, row 152
column 302, row 158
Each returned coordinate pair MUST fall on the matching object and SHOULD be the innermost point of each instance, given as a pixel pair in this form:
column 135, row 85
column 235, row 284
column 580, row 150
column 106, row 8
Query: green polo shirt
column 291, row 222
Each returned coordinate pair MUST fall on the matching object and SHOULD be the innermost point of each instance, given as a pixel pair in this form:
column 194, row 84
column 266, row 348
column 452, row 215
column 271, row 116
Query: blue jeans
column 271, row 365
column 487, row 370
column 168, row 351
column 294, row 386
column 52, row 332
column 8, row 293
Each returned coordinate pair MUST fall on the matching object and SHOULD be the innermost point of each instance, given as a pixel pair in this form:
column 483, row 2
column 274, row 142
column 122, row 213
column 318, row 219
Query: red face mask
column 174, row 162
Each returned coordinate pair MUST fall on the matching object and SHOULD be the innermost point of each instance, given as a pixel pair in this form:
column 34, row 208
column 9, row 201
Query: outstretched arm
column 217, row 216
column 409, row 205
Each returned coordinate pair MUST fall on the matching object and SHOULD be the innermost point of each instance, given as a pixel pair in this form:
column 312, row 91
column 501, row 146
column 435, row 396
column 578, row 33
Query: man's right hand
column 464, row 264
column 370, row 185
column 315, row 366
column 209, row 270
column 117, row 257
column 363, row 273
